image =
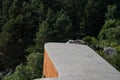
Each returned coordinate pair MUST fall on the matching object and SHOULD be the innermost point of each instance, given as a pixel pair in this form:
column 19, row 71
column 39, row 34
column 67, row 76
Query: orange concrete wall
column 49, row 69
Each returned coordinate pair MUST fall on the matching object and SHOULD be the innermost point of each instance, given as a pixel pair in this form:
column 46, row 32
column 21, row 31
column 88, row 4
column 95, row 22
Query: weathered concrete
column 79, row 62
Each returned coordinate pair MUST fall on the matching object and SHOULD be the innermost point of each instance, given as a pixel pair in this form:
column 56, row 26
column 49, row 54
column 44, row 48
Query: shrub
column 31, row 70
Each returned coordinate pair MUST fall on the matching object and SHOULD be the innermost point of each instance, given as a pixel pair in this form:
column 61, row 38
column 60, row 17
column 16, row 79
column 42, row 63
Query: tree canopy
column 25, row 25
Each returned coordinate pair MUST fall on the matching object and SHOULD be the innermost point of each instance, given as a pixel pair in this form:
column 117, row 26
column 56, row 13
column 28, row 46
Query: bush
column 91, row 41
column 31, row 70
column 114, row 60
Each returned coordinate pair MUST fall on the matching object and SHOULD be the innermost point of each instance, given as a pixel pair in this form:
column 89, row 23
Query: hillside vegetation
column 25, row 25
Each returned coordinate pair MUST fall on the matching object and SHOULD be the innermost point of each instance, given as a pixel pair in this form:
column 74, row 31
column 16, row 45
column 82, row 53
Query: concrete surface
column 79, row 62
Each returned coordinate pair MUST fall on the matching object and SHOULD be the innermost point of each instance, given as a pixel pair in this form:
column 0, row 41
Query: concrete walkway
column 79, row 62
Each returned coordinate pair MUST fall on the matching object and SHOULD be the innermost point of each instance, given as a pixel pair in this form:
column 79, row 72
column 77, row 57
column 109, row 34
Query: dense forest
column 25, row 25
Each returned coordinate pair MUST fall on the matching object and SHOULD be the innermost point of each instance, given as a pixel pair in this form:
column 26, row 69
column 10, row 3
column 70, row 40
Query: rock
column 70, row 41
column 75, row 41
column 2, row 73
column 79, row 42
column 109, row 50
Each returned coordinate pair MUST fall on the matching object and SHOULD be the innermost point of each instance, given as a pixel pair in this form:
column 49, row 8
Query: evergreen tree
column 25, row 25
column 56, row 27
column 19, row 23
column 31, row 70
column 110, row 29
column 110, row 34
column 95, row 15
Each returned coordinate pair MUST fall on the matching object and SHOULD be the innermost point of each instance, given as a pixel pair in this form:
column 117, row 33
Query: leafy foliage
column 19, row 23
column 31, row 70
column 25, row 25
column 56, row 27
column 110, row 35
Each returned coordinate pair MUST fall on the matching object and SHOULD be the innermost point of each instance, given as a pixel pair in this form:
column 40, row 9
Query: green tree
column 13, row 41
column 111, row 12
column 110, row 30
column 56, row 27
column 19, row 21
column 110, row 35
column 42, row 36
column 94, row 17
column 75, row 10
column 31, row 70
